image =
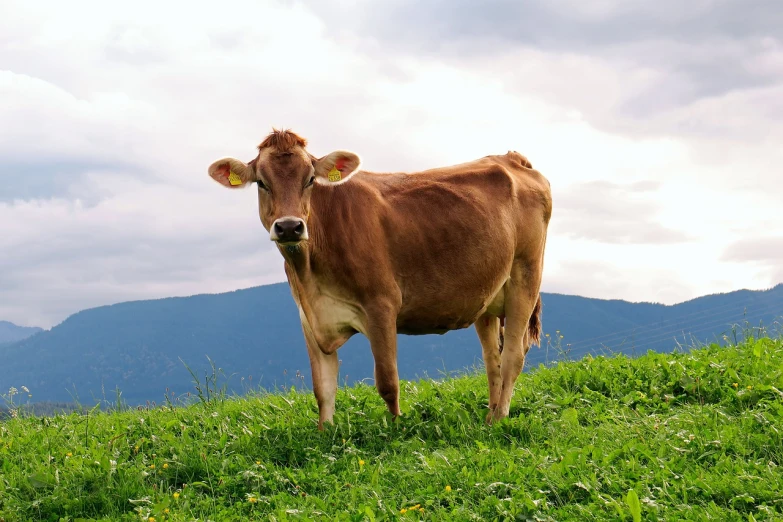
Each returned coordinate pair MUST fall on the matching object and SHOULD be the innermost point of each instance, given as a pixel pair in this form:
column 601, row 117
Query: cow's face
column 285, row 181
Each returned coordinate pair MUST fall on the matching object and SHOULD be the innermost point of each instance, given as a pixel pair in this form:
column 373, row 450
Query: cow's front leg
column 324, row 367
column 382, row 333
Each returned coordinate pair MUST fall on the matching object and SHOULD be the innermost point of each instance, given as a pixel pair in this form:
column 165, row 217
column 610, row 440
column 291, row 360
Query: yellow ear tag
column 335, row 175
column 234, row 179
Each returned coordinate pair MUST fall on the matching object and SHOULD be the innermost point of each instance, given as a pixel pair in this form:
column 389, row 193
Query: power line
column 729, row 310
column 647, row 341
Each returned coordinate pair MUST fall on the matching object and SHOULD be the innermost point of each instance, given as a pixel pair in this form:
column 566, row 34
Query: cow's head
column 286, row 175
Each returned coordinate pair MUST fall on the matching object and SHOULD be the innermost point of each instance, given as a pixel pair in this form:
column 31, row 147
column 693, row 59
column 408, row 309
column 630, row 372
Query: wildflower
column 735, row 384
column 252, row 499
column 691, row 437
column 152, row 466
column 361, row 462
column 24, row 389
column 175, row 495
column 69, row 454
column 403, row 511
column 421, row 510
column 151, row 519
column 258, row 463
column 448, row 488
column 343, row 441
column 166, row 465
column 750, row 387
column 166, row 511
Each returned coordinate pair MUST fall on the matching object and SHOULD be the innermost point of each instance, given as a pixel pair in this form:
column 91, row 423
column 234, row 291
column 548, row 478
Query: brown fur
column 282, row 141
column 420, row 253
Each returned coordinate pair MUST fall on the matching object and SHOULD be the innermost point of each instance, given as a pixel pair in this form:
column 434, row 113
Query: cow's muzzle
column 288, row 231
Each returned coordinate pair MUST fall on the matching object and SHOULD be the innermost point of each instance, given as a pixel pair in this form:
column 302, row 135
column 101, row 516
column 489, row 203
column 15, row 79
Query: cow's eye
column 262, row 186
column 310, row 181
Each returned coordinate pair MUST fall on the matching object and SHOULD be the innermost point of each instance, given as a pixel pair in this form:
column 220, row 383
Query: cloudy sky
column 659, row 125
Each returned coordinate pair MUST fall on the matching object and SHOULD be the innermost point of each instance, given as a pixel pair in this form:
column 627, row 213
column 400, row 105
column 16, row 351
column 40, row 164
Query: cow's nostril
column 288, row 230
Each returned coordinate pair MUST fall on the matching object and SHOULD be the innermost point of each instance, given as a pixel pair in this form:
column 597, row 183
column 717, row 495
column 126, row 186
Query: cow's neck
column 297, row 258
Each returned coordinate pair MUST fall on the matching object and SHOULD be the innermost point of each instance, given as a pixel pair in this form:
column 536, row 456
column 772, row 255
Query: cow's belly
column 333, row 321
column 451, row 309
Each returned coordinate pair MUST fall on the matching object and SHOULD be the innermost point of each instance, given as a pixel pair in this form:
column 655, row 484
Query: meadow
column 690, row 435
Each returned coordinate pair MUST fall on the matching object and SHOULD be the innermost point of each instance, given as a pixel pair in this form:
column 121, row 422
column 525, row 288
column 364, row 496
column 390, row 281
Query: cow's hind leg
column 488, row 329
column 521, row 301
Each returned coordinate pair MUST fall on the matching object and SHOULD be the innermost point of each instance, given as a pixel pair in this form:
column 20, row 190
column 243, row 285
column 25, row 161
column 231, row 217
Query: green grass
column 685, row 436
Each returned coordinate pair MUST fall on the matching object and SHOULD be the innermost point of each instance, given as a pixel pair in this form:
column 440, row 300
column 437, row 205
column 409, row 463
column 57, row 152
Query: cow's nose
column 289, row 230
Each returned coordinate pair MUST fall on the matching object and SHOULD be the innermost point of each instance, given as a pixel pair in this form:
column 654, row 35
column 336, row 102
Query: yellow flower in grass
column 151, row 519
column 252, row 499
column 421, row 510
column 735, row 384
column 152, row 466
column 166, row 466
column 448, row 488
column 175, row 495
column 403, row 511
column 69, row 454
column 361, row 462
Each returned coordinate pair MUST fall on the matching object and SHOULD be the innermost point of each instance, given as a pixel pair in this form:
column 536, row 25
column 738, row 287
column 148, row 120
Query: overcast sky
column 658, row 124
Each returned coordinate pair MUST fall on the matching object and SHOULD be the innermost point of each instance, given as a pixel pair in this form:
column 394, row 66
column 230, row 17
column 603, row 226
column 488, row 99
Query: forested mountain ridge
column 254, row 335
column 9, row 332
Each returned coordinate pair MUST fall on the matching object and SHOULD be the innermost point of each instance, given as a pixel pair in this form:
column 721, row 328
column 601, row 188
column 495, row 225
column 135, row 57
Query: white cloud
column 137, row 102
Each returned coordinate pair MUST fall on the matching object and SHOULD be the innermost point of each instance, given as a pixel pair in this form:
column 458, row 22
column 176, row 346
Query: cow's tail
column 534, row 325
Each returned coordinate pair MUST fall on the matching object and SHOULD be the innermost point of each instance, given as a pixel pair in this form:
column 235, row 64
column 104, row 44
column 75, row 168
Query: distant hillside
column 255, row 335
column 9, row 332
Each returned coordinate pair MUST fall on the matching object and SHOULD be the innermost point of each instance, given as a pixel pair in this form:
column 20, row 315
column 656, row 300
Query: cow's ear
column 337, row 167
column 231, row 173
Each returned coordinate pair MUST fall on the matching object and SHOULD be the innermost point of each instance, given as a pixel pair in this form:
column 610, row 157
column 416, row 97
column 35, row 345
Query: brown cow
column 419, row 253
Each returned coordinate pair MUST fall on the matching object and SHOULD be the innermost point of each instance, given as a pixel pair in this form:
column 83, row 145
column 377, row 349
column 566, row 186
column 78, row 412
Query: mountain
column 254, row 335
column 9, row 332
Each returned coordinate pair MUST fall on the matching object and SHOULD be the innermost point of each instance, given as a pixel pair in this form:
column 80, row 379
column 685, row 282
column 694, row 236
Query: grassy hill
column 254, row 335
column 683, row 436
